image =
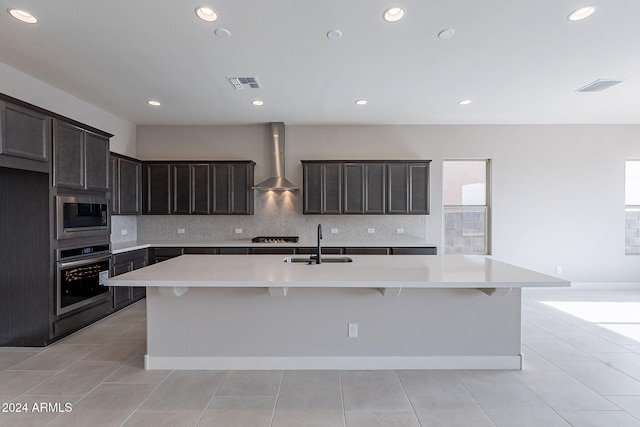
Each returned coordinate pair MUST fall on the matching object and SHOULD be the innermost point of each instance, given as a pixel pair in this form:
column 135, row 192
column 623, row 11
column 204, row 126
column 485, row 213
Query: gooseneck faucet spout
column 318, row 253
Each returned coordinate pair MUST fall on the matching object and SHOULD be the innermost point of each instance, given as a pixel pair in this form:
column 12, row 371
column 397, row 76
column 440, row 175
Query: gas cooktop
column 275, row 239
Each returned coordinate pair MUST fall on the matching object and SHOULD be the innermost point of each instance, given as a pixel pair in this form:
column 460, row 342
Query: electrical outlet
column 180, row 230
column 334, row 231
column 400, row 230
column 124, row 232
column 559, row 269
column 371, row 230
column 353, row 330
column 238, row 230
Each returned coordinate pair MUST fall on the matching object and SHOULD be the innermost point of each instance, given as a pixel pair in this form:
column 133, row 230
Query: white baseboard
column 605, row 285
column 332, row 363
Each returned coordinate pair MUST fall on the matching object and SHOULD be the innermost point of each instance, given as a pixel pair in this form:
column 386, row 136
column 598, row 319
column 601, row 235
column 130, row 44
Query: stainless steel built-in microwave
column 81, row 216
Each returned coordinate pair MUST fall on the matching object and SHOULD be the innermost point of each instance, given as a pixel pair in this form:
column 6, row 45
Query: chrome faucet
column 319, row 250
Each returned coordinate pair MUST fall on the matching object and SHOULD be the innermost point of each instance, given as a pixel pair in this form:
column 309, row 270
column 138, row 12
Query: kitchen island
column 260, row 312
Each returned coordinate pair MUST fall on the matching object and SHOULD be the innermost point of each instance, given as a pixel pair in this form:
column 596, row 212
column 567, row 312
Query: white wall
column 557, row 190
column 26, row 88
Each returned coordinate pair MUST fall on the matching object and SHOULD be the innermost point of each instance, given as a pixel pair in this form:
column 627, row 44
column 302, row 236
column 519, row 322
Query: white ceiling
column 519, row 61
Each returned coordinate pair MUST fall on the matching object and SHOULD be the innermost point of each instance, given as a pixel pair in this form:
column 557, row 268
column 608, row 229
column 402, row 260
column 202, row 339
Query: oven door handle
column 62, row 264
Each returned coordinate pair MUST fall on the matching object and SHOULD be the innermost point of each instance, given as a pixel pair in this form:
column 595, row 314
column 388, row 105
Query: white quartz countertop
column 366, row 271
column 117, row 248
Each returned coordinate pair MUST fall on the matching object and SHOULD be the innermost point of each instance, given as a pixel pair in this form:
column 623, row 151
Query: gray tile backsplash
column 276, row 214
column 126, row 223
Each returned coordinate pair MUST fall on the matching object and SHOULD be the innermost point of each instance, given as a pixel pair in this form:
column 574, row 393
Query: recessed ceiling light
column 393, row 14
column 361, row 102
column 582, row 13
column 257, row 102
column 446, row 34
column 465, row 102
column 153, row 103
column 23, row 16
column 206, row 13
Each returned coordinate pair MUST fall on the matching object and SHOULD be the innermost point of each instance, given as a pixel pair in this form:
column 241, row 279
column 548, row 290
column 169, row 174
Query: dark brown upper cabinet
column 80, row 158
column 25, row 138
column 408, row 185
column 188, row 188
column 322, row 188
column 201, row 185
column 126, row 182
column 156, row 188
column 366, row 187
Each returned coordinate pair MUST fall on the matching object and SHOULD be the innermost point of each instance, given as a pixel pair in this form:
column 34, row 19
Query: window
column 632, row 207
column 466, row 206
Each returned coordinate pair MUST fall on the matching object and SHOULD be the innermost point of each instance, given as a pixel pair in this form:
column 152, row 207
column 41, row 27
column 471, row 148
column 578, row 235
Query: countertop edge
column 122, row 247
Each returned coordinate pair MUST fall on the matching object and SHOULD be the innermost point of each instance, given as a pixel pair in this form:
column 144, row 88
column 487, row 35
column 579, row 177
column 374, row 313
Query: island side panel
column 213, row 324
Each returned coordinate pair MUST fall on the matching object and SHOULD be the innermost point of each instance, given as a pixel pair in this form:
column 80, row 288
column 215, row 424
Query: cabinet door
column 138, row 292
column 181, row 175
column 24, row 133
column 322, row 188
column 419, row 188
column 354, row 188
column 68, row 155
column 397, row 185
column 332, row 188
column 200, row 189
column 221, row 177
column 129, row 177
column 364, row 188
column 157, row 186
column 241, row 194
column 113, row 184
column 96, row 162
column 312, row 187
column 375, row 183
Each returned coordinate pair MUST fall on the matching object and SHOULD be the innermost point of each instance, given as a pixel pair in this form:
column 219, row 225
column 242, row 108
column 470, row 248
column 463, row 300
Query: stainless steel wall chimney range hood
column 277, row 181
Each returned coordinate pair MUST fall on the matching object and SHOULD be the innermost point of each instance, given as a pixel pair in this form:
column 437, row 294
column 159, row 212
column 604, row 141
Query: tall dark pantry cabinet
column 34, row 171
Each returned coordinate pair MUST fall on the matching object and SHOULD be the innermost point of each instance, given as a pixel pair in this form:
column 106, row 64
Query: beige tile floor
column 582, row 368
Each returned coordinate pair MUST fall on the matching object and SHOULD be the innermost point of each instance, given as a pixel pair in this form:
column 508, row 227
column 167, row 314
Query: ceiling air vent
column 599, row 85
column 242, row 83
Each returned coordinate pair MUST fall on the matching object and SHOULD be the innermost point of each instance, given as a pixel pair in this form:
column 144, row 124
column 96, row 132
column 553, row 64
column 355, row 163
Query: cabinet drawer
column 234, row 251
column 366, row 251
column 201, row 251
column 129, row 256
column 312, row 251
column 414, row 251
column 273, row 251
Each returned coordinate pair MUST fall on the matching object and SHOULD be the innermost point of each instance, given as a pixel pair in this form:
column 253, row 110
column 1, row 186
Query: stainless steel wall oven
column 80, row 276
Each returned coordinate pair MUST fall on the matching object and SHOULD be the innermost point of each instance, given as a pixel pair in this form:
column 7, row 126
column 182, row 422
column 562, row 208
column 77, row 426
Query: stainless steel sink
column 325, row 260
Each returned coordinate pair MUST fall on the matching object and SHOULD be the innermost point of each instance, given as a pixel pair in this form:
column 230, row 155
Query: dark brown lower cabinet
column 160, row 254
column 273, row 251
column 325, row 251
column 124, row 263
column 366, row 251
column 414, row 251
